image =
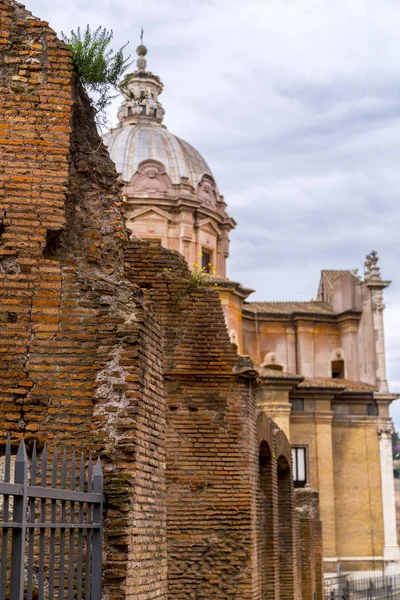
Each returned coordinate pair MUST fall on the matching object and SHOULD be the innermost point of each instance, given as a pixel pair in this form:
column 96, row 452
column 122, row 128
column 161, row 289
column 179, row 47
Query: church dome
column 141, row 136
column 169, row 192
column 130, row 145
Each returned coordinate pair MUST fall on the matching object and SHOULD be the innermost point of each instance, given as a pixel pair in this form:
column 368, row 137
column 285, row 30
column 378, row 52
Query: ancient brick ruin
column 110, row 345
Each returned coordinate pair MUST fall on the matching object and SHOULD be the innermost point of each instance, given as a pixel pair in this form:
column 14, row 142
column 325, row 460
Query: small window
column 299, row 467
column 297, row 404
column 206, row 261
column 338, row 369
column 372, row 410
column 129, row 111
column 142, row 109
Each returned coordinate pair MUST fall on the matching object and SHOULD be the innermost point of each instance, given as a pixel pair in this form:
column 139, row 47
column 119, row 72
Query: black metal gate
column 373, row 587
column 51, row 536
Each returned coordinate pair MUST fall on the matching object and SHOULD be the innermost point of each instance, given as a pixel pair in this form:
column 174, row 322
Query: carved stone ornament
column 378, row 306
column 371, row 260
column 150, row 177
column 206, row 192
column 385, row 432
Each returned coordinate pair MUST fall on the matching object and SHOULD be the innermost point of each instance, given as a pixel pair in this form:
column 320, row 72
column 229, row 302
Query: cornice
column 356, row 420
column 377, row 284
column 298, row 317
column 386, row 397
column 178, row 202
column 281, row 384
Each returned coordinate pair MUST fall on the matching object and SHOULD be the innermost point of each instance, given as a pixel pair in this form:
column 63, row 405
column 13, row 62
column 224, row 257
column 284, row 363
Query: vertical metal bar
column 53, row 519
column 4, row 541
column 71, row 534
column 42, row 534
column 89, row 531
column 80, row 531
column 18, row 533
column 62, row 530
column 97, row 534
column 31, row 534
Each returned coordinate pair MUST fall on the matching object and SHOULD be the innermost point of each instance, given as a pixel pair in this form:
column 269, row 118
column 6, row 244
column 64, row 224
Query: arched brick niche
column 267, row 512
column 286, row 517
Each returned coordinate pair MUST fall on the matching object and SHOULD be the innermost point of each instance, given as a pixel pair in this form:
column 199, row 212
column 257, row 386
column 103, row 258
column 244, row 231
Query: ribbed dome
column 130, row 145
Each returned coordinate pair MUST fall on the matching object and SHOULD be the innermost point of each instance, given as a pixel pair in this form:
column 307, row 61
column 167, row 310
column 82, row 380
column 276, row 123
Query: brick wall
column 80, row 352
column 211, row 454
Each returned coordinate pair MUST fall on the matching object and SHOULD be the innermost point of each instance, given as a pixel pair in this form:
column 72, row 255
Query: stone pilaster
column 376, row 286
column 391, row 548
column 326, row 488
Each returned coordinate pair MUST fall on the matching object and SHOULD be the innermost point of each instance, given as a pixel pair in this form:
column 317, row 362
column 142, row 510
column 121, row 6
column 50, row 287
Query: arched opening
column 285, row 504
column 265, row 524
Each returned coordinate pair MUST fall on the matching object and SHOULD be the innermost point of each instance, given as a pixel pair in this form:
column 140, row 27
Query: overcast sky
column 295, row 106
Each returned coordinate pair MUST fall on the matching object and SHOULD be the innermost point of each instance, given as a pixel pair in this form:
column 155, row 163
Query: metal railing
column 55, row 546
column 359, row 587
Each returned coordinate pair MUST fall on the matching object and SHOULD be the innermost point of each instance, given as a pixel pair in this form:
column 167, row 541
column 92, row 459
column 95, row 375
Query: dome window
column 142, row 109
column 338, row 369
column 206, row 260
column 129, row 111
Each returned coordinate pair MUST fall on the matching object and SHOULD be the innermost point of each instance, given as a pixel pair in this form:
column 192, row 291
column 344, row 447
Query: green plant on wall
column 99, row 67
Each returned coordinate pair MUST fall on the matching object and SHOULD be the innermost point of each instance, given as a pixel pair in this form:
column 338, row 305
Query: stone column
column 391, row 548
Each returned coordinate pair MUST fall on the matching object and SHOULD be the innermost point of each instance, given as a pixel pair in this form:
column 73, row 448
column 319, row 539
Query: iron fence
column 358, row 587
column 51, row 536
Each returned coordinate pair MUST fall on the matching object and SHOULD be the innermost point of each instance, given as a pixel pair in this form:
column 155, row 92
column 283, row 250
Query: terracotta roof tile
column 276, row 374
column 342, row 384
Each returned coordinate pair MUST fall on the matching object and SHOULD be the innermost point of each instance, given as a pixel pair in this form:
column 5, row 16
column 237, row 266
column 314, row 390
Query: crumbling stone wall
column 80, row 353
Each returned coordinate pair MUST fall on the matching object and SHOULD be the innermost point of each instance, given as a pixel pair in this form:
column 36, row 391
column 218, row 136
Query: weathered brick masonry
column 110, row 345
column 230, row 511
column 80, row 354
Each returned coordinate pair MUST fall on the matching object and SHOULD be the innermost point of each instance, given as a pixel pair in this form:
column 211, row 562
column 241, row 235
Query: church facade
column 321, row 364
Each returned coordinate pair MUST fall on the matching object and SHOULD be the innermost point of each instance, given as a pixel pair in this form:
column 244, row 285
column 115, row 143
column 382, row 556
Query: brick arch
column 267, row 511
column 282, row 446
column 266, row 523
column 286, row 516
column 265, row 429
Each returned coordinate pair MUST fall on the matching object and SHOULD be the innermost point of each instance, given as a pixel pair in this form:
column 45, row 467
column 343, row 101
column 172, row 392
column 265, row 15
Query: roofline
column 304, row 316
